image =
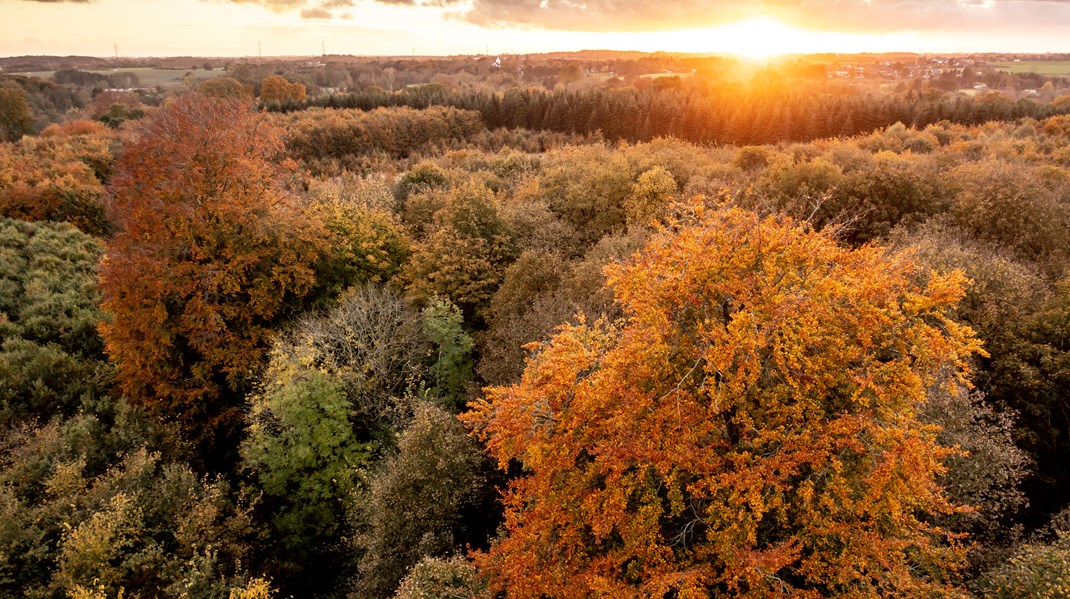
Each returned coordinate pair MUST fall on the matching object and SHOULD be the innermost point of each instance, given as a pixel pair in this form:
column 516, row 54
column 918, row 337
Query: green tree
column 89, row 506
column 416, row 505
column 327, row 407
column 302, row 449
column 451, row 366
column 16, row 118
column 51, row 356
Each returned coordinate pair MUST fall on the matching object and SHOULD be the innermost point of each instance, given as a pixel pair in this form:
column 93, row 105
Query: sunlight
column 757, row 37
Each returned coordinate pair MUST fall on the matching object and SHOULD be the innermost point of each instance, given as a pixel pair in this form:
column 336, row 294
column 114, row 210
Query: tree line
column 723, row 116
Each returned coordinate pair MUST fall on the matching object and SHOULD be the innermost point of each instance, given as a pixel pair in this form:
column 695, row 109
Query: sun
column 760, row 37
column 765, row 36
column 756, row 37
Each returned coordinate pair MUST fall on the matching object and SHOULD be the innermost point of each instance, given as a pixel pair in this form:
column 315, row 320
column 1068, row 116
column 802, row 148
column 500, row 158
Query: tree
column 436, row 577
column 209, row 254
column 651, row 194
column 304, row 454
column 92, row 503
column 225, row 88
column 588, row 186
column 278, row 89
column 417, row 503
column 1039, row 567
column 364, row 242
column 16, row 118
column 51, row 357
column 451, row 371
column 327, row 406
column 750, row 427
column 570, row 73
column 56, row 178
column 466, row 255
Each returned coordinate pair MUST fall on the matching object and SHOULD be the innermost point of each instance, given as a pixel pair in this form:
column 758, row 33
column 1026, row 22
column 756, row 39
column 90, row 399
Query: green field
column 1042, row 67
column 148, row 76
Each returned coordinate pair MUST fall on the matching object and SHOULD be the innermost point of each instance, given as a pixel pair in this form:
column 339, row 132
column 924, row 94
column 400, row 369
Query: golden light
column 757, row 37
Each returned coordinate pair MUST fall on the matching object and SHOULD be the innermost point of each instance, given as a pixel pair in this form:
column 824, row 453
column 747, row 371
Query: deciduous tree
column 209, row 253
column 277, row 88
column 749, row 428
column 16, row 118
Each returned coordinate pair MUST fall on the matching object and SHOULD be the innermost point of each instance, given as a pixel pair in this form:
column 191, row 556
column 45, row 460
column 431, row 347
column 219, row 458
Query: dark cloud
column 315, row 12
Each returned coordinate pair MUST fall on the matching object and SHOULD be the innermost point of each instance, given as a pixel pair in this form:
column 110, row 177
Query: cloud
column 870, row 16
column 860, row 16
column 320, row 9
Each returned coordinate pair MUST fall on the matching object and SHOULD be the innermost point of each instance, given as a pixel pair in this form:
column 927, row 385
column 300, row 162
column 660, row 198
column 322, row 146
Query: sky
column 446, row 27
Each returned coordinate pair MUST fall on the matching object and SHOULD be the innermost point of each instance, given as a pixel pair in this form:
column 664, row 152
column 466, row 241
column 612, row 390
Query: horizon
column 752, row 29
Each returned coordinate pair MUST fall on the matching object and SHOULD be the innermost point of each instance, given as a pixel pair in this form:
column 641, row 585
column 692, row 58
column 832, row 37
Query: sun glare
column 760, row 37
column 757, row 37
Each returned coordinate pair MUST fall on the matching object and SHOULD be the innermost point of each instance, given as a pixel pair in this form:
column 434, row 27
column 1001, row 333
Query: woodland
column 593, row 337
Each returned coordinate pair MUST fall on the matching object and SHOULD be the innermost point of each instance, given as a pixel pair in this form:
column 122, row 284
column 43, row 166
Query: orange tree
column 749, row 427
column 209, row 253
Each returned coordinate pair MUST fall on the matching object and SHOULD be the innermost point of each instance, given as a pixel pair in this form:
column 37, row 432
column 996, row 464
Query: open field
column 1042, row 67
column 666, row 74
column 148, row 76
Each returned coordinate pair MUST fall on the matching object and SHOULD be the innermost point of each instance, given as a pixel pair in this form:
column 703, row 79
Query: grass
column 148, row 76
column 1042, row 67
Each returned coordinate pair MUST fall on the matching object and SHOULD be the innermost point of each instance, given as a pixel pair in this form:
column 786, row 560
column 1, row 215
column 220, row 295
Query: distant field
column 148, row 76
column 660, row 75
column 1042, row 67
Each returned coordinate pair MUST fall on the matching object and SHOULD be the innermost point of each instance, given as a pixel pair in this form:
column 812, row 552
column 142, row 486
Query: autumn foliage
column 209, row 253
column 58, row 176
column 278, row 89
column 749, row 427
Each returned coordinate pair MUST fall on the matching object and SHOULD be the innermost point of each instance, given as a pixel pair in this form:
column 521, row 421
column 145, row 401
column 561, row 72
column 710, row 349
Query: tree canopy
column 209, row 253
column 749, row 427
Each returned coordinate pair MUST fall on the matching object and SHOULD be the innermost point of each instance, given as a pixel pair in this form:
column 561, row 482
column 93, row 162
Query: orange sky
column 303, row 27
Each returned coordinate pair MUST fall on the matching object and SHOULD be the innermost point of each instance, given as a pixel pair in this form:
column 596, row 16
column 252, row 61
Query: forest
column 594, row 337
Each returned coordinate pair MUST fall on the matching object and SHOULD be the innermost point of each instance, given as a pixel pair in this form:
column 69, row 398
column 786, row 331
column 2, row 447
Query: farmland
column 148, row 76
column 1040, row 67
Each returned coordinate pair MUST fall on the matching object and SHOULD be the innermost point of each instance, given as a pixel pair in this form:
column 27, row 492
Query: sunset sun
column 757, row 37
